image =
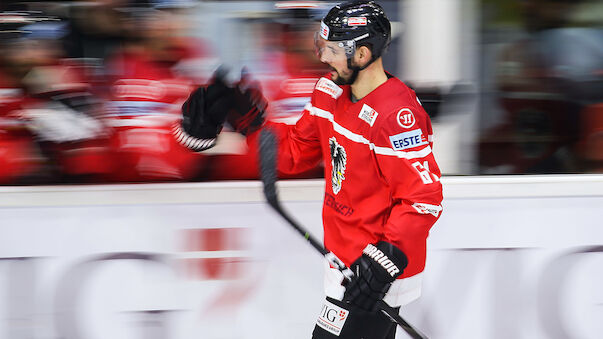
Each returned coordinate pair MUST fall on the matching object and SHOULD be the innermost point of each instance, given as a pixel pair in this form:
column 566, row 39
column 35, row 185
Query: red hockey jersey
column 382, row 181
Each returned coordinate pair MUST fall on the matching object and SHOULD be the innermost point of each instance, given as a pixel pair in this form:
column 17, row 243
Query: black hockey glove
column 249, row 106
column 377, row 267
column 204, row 113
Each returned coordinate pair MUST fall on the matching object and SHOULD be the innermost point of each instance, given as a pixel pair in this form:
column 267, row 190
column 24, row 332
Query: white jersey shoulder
column 328, row 86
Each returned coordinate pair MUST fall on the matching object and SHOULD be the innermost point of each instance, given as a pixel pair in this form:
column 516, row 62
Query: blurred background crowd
column 89, row 90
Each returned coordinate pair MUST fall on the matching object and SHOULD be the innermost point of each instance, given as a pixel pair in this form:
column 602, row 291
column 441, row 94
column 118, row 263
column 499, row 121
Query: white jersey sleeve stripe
column 319, row 112
column 425, row 151
column 362, row 140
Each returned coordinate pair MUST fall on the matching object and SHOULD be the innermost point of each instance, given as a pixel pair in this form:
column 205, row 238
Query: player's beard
column 344, row 79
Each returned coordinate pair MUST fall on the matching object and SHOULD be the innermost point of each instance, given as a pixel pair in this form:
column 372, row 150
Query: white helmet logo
column 324, row 31
column 357, row 21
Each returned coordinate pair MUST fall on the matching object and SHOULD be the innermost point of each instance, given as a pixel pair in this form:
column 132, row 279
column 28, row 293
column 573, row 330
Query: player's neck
column 369, row 79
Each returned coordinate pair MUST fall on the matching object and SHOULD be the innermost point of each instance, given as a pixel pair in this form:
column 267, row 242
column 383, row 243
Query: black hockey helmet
column 358, row 23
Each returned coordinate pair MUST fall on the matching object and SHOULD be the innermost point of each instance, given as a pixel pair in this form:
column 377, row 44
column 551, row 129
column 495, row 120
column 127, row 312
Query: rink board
column 511, row 257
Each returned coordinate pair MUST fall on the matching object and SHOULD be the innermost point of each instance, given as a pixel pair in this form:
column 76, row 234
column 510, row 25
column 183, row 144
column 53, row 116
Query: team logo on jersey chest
column 338, row 164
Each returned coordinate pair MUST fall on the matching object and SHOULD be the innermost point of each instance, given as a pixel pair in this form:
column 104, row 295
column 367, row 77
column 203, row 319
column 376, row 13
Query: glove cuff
column 190, row 142
column 391, row 259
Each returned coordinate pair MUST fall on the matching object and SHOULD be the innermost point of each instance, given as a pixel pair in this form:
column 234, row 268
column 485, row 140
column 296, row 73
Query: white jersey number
column 423, row 170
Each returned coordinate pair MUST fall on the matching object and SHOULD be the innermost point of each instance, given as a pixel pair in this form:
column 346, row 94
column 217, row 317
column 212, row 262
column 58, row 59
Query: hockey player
column 383, row 190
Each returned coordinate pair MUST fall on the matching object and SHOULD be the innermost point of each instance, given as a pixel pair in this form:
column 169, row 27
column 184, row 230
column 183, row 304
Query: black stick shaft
column 301, row 230
column 391, row 312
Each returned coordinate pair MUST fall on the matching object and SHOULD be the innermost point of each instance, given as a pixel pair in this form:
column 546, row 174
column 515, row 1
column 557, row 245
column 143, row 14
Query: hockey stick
column 268, row 154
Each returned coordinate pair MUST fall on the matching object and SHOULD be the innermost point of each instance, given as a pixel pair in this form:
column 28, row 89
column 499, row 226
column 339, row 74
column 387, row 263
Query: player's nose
column 324, row 58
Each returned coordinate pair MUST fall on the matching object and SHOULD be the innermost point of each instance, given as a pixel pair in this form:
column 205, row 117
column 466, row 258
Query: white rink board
column 511, row 257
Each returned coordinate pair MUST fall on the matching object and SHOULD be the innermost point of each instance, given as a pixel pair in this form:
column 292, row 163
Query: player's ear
column 363, row 55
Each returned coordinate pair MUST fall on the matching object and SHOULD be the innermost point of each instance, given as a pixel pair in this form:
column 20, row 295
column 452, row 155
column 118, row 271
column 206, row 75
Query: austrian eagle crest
column 338, row 163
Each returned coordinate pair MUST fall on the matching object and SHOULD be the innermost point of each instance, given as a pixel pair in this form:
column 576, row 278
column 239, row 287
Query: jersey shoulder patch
column 406, row 140
column 329, row 87
column 406, row 118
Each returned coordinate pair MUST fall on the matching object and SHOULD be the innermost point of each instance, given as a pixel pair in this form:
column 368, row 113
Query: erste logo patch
column 407, row 140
